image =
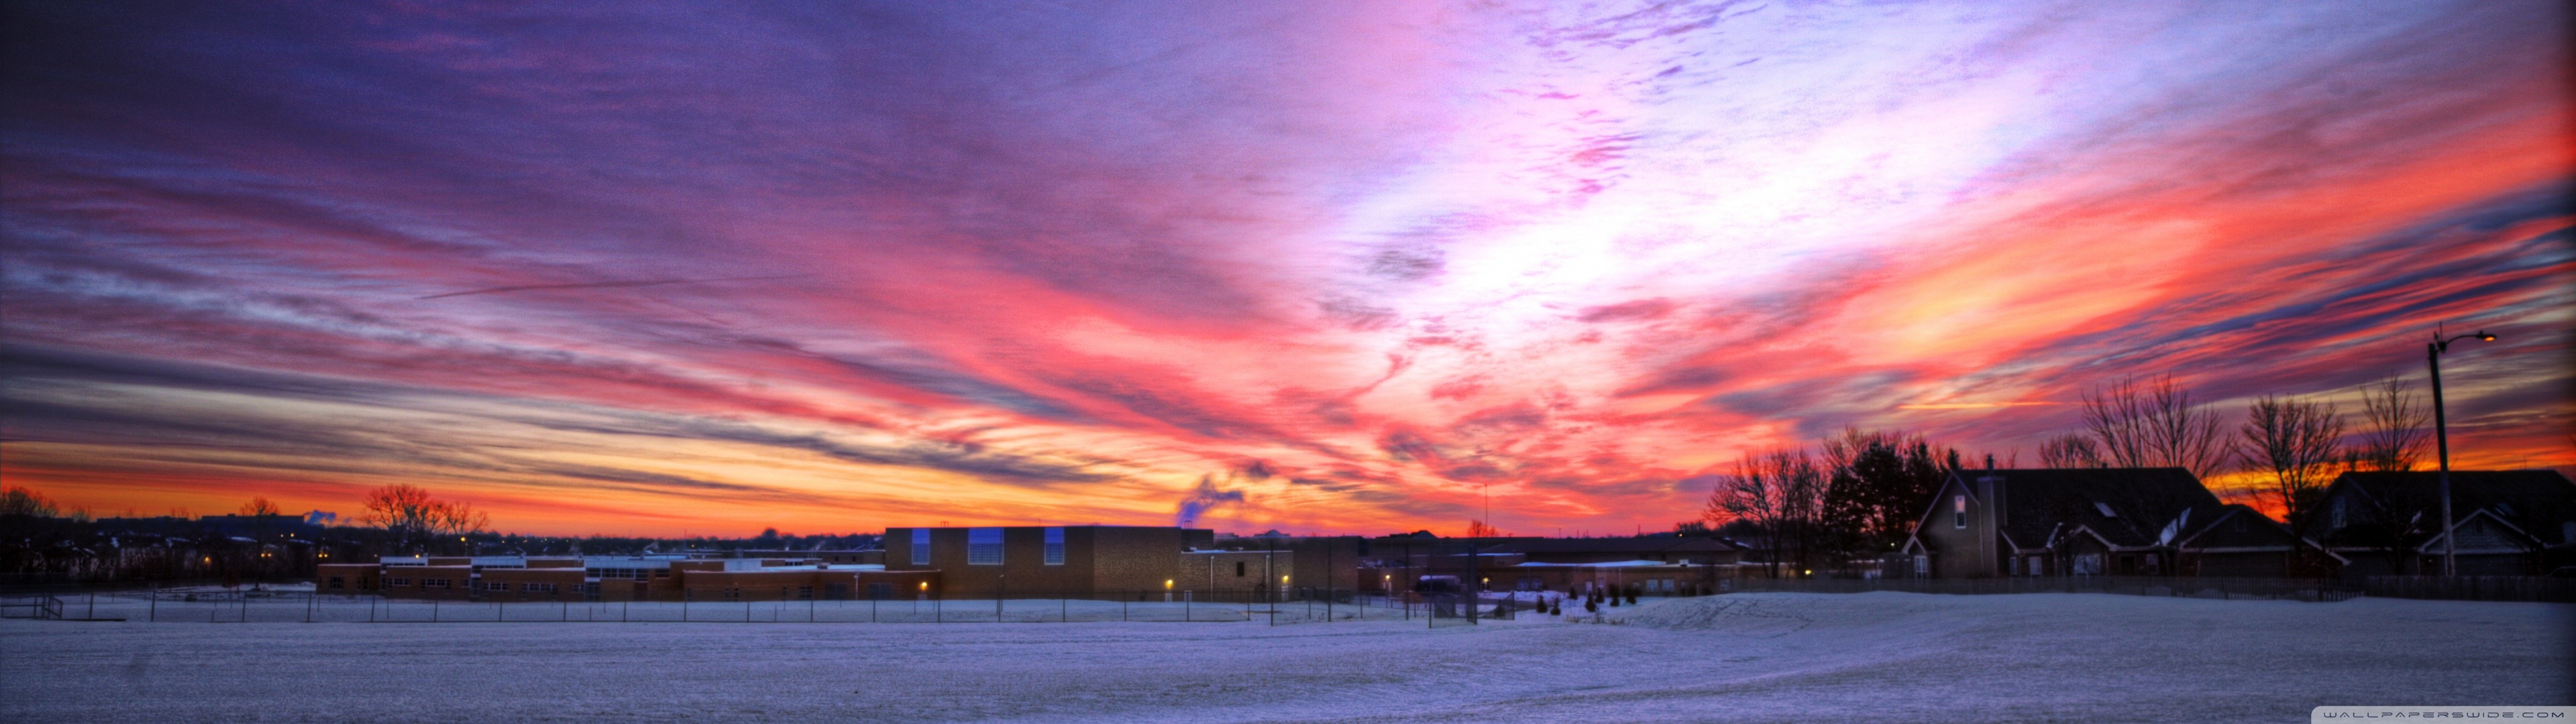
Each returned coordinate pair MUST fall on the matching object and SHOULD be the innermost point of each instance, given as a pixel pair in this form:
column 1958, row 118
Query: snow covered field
column 1746, row 657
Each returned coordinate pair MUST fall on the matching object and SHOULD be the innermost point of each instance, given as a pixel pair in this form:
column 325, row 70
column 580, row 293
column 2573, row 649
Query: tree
column 2294, row 442
column 258, row 506
column 2155, row 425
column 1777, row 491
column 1877, row 483
column 2392, row 434
column 413, row 516
column 1478, row 529
column 2071, row 450
column 17, row 500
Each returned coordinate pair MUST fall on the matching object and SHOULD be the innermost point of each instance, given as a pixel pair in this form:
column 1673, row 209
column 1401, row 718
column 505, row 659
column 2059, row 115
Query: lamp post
column 2442, row 440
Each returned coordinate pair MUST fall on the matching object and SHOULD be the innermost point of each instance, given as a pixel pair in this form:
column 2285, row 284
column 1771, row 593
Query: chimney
column 1990, row 495
column 1990, row 461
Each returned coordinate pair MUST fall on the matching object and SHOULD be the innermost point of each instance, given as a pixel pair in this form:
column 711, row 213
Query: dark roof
column 1648, row 544
column 2540, row 502
column 2140, row 503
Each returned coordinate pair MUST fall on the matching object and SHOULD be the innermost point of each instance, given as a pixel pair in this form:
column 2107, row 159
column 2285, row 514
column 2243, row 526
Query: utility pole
column 2442, row 440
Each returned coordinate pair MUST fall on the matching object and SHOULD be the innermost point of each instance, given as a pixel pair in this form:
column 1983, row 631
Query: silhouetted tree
column 16, row 500
column 2155, row 425
column 2071, row 450
column 2294, row 442
column 1780, row 491
column 1877, row 484
column 2392, row 434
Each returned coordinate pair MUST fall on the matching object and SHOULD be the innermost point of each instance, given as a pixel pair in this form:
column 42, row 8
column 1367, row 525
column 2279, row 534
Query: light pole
column 2442, row 439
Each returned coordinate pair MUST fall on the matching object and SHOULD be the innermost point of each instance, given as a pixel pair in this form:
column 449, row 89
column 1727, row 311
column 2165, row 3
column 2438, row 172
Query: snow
column 1742, row 657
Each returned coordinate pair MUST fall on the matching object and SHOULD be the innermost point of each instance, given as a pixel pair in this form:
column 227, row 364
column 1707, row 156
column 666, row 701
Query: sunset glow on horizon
column 1314, row 267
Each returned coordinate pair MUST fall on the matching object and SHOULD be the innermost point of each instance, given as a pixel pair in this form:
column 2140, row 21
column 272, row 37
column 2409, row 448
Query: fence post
column 308, row 605
column 152, row 613
column 433, row 610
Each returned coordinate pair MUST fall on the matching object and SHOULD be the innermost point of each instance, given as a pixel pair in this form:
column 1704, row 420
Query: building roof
column 1642, row 544
column 2128, row 507
column 2539, row 502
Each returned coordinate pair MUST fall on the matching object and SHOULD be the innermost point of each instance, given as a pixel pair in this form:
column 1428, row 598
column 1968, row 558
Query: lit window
column 921, row 546
column 1959, row 511
column 984, row 546
column 1055, row 546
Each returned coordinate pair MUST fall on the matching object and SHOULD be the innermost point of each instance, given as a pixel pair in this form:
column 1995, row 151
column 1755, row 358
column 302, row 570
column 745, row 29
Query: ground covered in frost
column 1745, row 657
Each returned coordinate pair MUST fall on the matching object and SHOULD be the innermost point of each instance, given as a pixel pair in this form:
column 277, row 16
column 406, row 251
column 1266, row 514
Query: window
column 397, row 581
column 433, row 582
column 540, row 588
column 983, row 546
column 1922, row 565
column 1055, row 547
column 804, row 593
column 335, row 583
column 495, row 586
column 1238, row 569
column 921, row 546
column 1958, row 511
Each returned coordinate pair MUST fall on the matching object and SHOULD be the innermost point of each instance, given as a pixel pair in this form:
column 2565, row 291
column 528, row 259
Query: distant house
column 2243, row 542
column 2509, row 522
column 2094, row 521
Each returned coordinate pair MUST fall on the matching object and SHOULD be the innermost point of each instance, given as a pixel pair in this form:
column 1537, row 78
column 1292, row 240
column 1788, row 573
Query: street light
column 2442, row 440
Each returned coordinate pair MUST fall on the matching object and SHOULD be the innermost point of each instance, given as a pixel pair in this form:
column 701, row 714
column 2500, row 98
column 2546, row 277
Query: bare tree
column 1779, row 492
column 2071, row 450
column 2392, row 436
column 2294, row 442
column 414, row 516
column 2155, row 425
column 1478, row 529
column 258, row 506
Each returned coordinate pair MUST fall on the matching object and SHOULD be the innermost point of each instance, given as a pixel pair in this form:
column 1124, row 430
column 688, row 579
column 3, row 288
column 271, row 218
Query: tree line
column 2293, row 445
column 1859, row 495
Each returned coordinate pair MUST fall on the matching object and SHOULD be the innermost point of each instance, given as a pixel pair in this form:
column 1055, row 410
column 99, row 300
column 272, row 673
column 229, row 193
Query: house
column 2243, row 542
column 2079, row 521
column 2509, row 522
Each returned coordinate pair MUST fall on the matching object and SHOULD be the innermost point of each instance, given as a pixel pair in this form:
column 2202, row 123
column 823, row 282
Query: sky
column 705, row 268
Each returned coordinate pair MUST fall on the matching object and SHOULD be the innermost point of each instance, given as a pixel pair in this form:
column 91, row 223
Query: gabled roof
column 2127, row 507
column 2538, row 502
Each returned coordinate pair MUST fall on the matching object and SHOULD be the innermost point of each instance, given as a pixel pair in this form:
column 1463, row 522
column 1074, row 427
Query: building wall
column 1236, row 575
column 1098, row 561
column 779, row 585
column 567, row 584
column 1958, row 552
column 346, row 577
column 417, row 581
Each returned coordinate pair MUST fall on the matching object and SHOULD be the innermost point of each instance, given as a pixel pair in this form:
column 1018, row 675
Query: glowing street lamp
column 2442, row 439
